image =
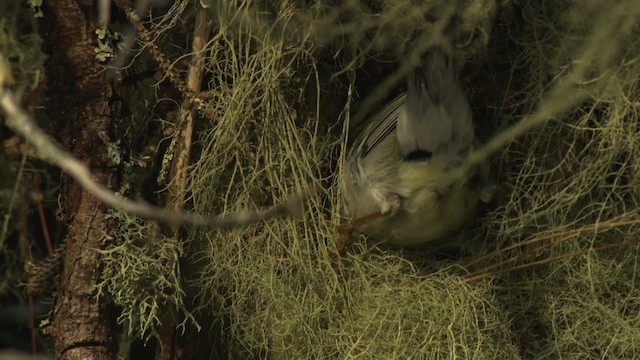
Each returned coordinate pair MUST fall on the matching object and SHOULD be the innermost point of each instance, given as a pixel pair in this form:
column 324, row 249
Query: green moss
column 278, row 289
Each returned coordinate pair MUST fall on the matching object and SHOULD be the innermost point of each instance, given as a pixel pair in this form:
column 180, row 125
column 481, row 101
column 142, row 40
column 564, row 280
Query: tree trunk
column 78, row 103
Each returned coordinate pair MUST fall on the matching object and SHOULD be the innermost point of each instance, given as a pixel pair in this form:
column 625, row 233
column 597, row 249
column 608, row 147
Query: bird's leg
column 346, row 231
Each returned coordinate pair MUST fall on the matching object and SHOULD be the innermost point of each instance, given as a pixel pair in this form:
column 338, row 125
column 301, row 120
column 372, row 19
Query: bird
column 399, row 173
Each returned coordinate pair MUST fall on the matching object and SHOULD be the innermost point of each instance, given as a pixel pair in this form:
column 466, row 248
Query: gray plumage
column 436, row 121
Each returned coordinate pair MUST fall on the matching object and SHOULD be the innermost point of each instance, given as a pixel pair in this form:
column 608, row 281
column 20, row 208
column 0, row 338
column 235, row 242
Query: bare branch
column 22, row 123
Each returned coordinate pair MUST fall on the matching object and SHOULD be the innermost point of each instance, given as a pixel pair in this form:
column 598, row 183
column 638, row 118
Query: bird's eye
column 419, row 155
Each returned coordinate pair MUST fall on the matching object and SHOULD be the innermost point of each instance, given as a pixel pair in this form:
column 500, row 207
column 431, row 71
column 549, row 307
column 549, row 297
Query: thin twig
column 178, row 184
column 22, row 123
column 561, row 236
column 552, row 259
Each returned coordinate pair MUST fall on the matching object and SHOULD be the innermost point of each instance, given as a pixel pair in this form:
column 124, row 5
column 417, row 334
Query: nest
column 548, row 270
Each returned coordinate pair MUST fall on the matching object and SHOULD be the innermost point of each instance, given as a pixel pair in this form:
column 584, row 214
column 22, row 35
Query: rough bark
column 77, row 101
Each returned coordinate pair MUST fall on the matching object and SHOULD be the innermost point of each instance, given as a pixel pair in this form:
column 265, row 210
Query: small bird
column 400, row 166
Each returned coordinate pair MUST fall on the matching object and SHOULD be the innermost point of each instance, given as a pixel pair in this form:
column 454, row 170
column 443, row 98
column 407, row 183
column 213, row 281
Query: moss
column 531, row 288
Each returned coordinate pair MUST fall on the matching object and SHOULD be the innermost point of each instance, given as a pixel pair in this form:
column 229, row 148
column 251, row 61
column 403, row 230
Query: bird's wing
column 381, row 126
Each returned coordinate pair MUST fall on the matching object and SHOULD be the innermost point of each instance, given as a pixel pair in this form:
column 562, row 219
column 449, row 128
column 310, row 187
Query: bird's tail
column 436, row 123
